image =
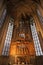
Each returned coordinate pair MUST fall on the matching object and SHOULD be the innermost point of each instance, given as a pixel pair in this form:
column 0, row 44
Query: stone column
column 40, row 16
column 2, row 19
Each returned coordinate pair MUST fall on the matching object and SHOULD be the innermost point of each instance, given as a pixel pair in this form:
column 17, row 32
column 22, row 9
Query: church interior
column 21, row 32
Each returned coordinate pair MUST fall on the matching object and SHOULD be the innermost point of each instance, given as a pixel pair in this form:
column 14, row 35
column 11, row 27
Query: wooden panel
column 22, row 49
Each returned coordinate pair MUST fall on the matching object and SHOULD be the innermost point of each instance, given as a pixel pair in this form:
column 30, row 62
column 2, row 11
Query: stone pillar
column 37, row 45
column 40, row 16
column 2, row 19
column 1, row 3
column 7, row 42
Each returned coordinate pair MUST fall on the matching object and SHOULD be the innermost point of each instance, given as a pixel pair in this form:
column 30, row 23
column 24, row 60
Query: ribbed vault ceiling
column 16, row 7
